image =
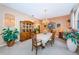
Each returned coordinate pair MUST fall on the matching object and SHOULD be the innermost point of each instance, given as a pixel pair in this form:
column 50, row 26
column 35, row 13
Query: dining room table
column 44, row 37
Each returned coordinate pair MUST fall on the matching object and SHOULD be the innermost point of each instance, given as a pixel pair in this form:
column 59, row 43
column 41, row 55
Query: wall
column 18, row 17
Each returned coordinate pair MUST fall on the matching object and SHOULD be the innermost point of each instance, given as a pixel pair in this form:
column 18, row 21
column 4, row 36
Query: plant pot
column 71, row 45
column 10, row 44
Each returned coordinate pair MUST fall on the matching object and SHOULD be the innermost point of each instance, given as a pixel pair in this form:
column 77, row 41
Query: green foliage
column 9, row 35
column 70, row 36
column 65, row 33
column 37, row 30
column 77, row 35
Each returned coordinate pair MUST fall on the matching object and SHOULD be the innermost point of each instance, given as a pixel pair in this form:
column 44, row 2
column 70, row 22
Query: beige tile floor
column 24, row 48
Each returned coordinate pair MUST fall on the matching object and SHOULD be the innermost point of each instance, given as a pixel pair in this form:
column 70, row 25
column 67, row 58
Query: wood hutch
column 26, row 30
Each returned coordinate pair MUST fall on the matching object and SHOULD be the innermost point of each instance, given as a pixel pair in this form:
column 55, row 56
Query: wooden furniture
column 53, row 37
column 26, row 30
column 51, row 41
column 61, row 35
column 36, row 43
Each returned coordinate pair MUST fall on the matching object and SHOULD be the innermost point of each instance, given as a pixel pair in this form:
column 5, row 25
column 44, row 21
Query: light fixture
column 45, row 21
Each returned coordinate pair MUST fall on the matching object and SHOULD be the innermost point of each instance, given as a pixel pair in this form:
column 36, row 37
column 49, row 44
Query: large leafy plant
column 74, row 36
column 71, row 37
column 10, row 35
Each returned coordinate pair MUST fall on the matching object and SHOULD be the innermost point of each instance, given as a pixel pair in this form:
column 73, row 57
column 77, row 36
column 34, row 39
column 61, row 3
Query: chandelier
column 45, row 21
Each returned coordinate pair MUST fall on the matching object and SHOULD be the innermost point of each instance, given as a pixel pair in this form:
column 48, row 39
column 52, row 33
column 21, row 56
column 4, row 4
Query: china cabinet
column 26, row 30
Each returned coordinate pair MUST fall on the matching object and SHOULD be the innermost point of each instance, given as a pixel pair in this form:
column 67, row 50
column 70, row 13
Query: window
column 78, row 22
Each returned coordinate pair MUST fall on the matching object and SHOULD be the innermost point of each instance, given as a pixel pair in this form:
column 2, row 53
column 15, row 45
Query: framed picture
column 9, row 20
column 58, row 25
column 51, row 26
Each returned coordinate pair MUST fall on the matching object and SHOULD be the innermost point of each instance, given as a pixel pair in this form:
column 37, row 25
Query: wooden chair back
column 35, row 43
column 34, row 40
column 53, row 34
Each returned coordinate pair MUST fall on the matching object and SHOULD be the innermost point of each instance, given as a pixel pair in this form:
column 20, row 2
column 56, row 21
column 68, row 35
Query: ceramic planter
column 71, row 45
column 10, row 44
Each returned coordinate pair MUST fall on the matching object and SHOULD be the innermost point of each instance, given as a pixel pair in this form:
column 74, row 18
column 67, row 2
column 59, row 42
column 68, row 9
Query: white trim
column 4, row 44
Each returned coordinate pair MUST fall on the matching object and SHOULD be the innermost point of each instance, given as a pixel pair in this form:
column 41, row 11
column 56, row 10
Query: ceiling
column 37, row 10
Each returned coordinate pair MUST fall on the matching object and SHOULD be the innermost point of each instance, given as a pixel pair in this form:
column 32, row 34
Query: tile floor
column 24, row 48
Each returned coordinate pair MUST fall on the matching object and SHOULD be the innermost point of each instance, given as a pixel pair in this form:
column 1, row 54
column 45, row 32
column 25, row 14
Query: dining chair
column 51, row 40
column 36, row 43
column 61, row 35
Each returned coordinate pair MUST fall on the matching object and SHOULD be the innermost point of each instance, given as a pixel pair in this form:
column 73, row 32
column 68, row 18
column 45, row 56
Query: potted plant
column 71, row 41
column 10, row 36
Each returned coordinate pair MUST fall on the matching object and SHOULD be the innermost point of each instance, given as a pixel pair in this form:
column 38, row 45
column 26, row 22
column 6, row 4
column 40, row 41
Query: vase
column 71, row 45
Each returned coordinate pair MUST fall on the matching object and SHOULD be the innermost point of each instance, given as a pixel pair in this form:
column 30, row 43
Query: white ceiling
column 37, row 9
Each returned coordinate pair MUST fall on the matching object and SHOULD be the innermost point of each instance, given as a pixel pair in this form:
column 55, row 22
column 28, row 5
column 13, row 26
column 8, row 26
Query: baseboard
column 2, row 45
